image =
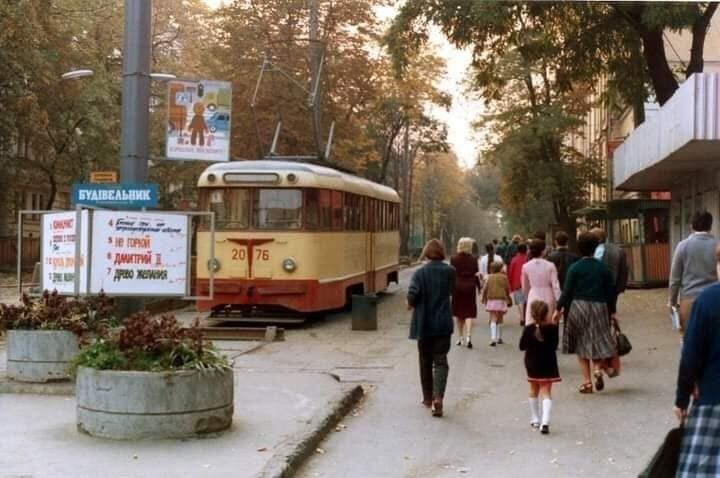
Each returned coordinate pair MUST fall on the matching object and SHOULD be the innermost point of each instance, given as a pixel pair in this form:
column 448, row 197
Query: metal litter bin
column 364, row 312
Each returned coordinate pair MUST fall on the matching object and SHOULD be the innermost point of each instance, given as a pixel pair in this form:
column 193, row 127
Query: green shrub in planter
column 92, row 315
column 152, row 344
column 44, row 333
column 153, row 379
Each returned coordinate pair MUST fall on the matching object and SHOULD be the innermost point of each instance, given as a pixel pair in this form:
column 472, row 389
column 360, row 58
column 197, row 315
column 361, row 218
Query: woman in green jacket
column 589, row 297
column 429, row 299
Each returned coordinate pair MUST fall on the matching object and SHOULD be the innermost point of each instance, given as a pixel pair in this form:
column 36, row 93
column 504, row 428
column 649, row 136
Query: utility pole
column 135, row 115
column 315, row 58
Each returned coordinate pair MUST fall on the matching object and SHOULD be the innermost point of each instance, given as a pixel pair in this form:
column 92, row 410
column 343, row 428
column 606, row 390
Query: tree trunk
column 53, row 190
column 699, row 31
column 662, row 77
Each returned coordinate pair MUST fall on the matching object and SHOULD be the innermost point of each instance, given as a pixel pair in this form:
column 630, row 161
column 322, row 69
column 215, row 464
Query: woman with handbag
column 589, row 296
column 700, row 365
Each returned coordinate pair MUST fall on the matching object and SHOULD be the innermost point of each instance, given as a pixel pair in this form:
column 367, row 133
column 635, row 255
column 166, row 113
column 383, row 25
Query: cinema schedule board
column 59, row 251
column 139, row 253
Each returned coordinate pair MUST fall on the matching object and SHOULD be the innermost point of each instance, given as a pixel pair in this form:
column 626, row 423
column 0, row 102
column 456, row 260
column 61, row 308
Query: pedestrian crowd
column 579, row 289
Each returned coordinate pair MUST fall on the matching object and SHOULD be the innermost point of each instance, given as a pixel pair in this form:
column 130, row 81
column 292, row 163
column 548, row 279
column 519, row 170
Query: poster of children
column 199, row 120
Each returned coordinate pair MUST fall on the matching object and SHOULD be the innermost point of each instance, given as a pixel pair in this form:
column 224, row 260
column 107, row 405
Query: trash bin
column 364, row 312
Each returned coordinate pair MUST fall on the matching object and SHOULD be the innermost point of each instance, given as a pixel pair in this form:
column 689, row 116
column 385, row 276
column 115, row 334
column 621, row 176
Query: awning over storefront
column 682, row 138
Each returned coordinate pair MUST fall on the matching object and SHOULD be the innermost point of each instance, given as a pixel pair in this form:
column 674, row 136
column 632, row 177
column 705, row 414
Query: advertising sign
column 199, row 120
column 115, row 195
column 139, row 253
column 103, row 176
column 59, row 233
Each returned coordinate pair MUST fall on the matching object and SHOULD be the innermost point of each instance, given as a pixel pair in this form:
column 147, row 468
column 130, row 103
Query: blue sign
column 115, row 195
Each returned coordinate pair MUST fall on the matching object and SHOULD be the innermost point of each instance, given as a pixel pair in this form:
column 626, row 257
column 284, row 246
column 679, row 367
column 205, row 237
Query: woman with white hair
column 464, row 298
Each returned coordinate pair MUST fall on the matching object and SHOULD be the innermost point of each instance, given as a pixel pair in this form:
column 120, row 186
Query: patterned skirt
column 700, row 449
column 587, row 331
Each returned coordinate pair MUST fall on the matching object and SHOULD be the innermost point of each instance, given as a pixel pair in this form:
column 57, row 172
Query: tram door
column 371, row 206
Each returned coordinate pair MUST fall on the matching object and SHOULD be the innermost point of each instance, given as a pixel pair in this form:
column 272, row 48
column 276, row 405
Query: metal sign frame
column 88, row 263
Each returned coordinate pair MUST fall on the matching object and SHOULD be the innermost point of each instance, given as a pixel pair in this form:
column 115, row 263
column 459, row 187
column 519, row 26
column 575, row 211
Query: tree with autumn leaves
column 534, row 64
column 59, row 131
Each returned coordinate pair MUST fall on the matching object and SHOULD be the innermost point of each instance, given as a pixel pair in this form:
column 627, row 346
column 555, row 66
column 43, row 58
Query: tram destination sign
column 115, row 195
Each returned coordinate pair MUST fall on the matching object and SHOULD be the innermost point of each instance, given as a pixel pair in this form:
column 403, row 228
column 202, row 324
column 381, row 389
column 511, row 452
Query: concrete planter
column 133, row 405
column 40, row 355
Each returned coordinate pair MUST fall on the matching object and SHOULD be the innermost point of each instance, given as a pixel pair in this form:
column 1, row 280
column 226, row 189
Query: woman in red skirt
column 464, row 298
column 539, row 341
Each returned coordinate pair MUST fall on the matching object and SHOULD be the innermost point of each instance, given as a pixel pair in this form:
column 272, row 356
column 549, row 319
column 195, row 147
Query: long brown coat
column 464, row 298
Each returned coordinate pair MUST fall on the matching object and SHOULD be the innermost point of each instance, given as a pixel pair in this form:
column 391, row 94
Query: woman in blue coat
column 429, row 299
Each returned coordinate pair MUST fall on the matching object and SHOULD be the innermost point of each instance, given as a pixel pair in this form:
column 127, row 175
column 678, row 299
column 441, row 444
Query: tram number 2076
column 260, row 254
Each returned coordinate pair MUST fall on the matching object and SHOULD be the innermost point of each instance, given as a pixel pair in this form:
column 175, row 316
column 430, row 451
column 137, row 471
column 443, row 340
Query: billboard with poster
column 139, row 253
column 199, row 120
column 59, row 250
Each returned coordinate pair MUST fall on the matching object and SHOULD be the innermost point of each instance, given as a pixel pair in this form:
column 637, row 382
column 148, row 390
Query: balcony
column 682, row 138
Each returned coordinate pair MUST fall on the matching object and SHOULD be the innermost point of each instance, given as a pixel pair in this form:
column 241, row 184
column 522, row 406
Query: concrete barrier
column 133, row 405
column 40, row 355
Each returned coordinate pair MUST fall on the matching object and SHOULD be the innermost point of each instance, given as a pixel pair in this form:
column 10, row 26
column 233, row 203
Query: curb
column 289, row 457
column 47, row 388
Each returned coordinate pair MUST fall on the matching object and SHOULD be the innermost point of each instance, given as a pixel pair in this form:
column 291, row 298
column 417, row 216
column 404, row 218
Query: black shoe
column 545, row 429
column 469, row 344
column 493, row 343
column 500, row 341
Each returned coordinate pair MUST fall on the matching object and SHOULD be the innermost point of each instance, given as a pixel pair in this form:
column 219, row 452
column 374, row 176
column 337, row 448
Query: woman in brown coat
column 464, row 298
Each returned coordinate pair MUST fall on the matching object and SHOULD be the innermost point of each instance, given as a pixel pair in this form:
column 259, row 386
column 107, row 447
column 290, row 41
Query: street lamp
column 77, row 74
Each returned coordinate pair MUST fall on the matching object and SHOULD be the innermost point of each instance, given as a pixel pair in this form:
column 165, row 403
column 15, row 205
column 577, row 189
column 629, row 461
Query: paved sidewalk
column 485, row 431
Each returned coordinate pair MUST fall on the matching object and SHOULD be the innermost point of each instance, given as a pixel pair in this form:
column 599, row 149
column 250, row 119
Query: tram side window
column 313, row 213
column 353, row 212
column 231, row 207
column 337, row 210
column 278, row 209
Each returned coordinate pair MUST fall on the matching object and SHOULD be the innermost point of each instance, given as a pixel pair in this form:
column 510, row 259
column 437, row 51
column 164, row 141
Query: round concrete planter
column 132, row 405
column 40, row 355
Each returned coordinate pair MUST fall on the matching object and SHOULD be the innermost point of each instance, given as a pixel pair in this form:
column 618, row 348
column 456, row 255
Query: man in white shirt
column 483, row 267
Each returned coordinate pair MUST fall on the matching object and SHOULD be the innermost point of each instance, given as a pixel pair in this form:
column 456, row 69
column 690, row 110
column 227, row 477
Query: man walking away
column 512, row 249
column 562, row 257
column 693, row 266
column 700, row 370
column 614, row 258
column 502, row 248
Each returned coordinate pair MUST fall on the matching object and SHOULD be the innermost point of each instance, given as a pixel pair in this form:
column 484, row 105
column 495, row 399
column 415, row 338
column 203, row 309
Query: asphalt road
column 485, row 430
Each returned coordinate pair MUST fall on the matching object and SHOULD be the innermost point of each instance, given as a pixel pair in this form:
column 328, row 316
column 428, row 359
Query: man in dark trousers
column 561, row 256
column 614, row 257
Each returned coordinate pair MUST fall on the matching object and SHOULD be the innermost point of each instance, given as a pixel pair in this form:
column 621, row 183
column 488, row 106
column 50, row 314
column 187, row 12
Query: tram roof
column 308, row 176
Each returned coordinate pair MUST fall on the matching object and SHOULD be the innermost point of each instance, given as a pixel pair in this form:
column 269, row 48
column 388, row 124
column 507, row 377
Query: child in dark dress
column 539, row 341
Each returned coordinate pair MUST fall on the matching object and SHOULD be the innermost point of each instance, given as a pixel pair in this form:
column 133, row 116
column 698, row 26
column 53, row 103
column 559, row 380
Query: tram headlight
column 288, row 264
column 213, row 265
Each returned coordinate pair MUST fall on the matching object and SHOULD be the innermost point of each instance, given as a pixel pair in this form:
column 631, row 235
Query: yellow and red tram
column 294, row 236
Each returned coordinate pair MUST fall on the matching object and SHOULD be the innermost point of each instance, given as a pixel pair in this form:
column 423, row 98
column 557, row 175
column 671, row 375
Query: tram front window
column 231, row 207
column 279, row 209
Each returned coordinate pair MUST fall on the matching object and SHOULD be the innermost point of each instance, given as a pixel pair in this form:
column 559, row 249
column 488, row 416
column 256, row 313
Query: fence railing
column 9, row 248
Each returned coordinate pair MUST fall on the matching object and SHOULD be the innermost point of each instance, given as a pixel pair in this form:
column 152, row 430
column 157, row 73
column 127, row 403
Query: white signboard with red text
column 131, row 253
column 59, row 233
column 139, row 253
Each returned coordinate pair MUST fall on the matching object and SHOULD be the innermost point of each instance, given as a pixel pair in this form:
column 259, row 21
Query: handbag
column 623, row 343
column 665, row 461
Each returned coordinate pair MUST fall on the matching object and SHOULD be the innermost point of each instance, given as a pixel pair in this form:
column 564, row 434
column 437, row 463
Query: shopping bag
column 623, row 343
column 665, row 462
